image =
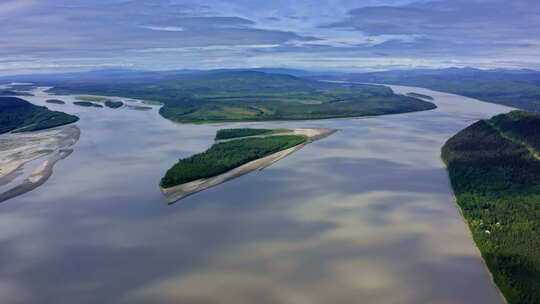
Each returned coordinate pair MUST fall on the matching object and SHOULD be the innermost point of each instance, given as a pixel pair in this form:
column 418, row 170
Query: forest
column 252, row 96
column 222, row 157
column 19, row 115
column 113, row 104
column 242, row 132
column 496, row 181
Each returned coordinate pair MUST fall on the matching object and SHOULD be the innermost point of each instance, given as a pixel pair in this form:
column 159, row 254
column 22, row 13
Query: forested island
column 418, row 95
column 55, row 101
column 494, row 169
column 236, row 156
column 113, row 104
column 250, row 96
column 19, row 115
column 87, row 104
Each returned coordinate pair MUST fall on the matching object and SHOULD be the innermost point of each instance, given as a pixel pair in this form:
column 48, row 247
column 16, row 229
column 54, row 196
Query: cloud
column 163, row 28
column 182, row 33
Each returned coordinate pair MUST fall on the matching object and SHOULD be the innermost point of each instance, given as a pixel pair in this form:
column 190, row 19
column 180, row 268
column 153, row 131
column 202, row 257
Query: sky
column 41, row 36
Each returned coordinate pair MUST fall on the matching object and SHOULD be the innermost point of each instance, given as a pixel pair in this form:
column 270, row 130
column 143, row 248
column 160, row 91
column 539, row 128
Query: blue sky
column 71, row 35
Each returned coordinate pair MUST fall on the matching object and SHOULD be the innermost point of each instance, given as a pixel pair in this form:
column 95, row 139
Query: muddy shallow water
column 363, row 216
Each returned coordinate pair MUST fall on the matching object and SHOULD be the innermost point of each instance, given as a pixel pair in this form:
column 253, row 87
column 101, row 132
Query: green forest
column 19, row 115
column 242, row 132
column 113, row 104
column 418, row 95
column 253, row 96
column 518, row 89
column 496, row 181
column 56, row 101
column 87, row 104
column 222, row 157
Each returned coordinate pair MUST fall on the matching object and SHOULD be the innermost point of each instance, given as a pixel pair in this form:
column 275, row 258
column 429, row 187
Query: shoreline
column 35, row 145
column 38, row 177
column 176, row 193
column 476, row 249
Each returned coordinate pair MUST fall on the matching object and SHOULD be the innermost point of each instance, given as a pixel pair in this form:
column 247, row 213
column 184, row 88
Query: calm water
column 363, row 216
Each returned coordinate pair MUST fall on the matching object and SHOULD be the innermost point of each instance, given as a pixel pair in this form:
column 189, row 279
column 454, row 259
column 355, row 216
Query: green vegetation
column 418, row 95
column 91, row 98
column 225, row 156
column 153, row 103
column 242, row 132
column 519, row 89
column 45, row 151
column 254, row 96
column 20, row 115
column 87, row 104
column 113, row 104
column 141, row 108
column 496, row 181
column 7, row 92
column 56, row 101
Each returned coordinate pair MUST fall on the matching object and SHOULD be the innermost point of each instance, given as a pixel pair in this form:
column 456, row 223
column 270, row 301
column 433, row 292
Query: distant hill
column 514, row 88
column 250, row 96
column 19, row 115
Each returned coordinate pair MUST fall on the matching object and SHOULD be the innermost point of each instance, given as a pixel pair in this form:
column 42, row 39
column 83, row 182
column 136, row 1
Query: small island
column 421, row 96
column 233, row 156
column 55, row 101
column 87, row 104
column 494, row 170
column 113, row 104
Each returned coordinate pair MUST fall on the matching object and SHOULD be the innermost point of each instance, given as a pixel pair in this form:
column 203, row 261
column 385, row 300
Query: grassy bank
column 496, row 180
column 225, row 156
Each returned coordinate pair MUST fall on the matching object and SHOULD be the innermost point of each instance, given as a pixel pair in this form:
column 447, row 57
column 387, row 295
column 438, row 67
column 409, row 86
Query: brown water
column 363, row 216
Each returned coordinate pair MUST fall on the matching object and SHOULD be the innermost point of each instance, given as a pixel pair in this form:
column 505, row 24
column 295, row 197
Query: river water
column 363, row 216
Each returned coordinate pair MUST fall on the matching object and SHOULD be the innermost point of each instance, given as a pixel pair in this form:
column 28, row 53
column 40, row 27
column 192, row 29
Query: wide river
column 363, row 216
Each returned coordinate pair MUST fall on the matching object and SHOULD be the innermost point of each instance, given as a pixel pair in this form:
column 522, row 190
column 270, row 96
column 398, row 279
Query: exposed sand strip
column 18, row 149
column 179, row 192
column 37, row 177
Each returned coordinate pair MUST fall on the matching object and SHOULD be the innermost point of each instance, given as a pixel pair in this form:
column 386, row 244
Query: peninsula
column 494, row 169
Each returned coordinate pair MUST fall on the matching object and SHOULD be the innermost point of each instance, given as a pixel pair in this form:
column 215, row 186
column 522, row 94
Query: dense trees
column 113, row 104
column 19, row 115
column 496, row 181
column 254, row 96
column 241, row 132
column 225, row 156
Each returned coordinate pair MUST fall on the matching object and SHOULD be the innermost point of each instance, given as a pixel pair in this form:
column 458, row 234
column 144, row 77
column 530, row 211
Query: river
column 363, row 216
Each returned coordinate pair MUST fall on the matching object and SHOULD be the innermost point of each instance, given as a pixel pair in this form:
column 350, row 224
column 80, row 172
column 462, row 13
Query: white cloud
column 163, row 28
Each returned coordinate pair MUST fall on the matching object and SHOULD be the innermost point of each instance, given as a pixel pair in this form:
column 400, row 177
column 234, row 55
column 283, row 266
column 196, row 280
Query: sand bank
column 179, row 192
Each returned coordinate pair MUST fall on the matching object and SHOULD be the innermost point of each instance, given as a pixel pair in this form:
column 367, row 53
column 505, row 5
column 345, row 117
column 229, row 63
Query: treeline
column 496, row 182
column 225, row 156
column 242, row 132
column 19, row 115
column 113, row 104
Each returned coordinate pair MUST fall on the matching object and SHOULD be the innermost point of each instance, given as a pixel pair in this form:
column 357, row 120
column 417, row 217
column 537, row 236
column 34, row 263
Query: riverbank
column 173, row 194
column 18, row 149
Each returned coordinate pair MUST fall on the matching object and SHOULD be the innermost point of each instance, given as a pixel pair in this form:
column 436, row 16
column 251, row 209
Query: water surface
column 363, row 216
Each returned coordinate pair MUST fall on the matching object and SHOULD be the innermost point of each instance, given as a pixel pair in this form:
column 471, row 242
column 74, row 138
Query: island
column 421, row 96
column 55, row 101
column 235, row 96
column 18, row 115
column 87, row 104
column 494, row 170
column 113, row 104
column 234, row 156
